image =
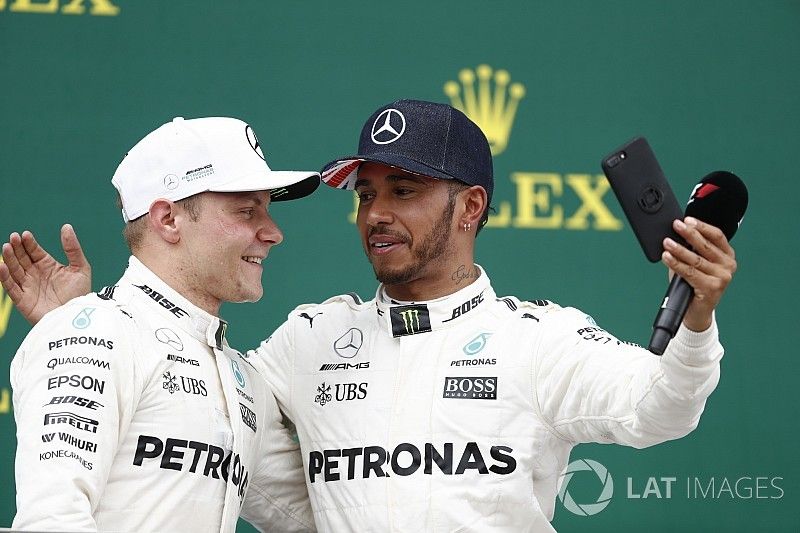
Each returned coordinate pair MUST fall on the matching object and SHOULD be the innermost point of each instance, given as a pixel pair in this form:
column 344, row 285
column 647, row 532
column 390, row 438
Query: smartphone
column 644, row 194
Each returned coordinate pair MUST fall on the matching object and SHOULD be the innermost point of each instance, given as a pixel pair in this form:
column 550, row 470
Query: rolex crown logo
column 492, row 106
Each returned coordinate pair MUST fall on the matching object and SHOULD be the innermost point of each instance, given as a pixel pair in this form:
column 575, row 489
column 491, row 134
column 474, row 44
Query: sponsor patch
column 470, row 388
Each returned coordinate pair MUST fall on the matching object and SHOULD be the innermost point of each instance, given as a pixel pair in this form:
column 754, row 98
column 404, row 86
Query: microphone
column 720, row 199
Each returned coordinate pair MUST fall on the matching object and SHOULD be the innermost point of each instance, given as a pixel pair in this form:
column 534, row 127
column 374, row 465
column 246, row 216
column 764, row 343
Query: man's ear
column 475, row 200
column 162, row 220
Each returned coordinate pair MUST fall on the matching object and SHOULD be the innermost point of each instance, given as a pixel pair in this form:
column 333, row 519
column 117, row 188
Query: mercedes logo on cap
column 388, row 127
column 171, row 182
column 347, row 345
column 170, row 338
column 253, row 140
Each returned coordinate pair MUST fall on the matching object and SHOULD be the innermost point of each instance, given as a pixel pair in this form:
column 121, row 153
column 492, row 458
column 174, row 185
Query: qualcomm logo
column 592, row 508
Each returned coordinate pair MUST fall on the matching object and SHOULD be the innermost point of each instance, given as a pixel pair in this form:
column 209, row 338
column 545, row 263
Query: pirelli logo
column 410, row 320
column 76, row 421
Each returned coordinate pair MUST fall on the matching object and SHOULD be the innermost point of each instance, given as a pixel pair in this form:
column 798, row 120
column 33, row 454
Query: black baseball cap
column 425, row 138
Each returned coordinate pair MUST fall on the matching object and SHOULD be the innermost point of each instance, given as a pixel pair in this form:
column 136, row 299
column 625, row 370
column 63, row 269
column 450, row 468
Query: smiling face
column 224, row 245
column 406, row 222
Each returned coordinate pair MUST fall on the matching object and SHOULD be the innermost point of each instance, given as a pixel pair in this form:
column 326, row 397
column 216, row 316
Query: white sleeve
column 591, row 387
column 277, row 498
column 73, row 380
column 274, row 359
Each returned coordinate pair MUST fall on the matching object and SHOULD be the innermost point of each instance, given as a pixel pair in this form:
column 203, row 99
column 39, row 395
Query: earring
column 467, row 226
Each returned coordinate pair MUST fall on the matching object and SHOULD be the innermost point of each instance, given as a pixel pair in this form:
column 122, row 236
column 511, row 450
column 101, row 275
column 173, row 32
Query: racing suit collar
column 170, row 304
column 410, row 318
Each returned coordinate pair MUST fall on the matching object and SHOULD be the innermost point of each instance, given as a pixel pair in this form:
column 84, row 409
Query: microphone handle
column 669, row 317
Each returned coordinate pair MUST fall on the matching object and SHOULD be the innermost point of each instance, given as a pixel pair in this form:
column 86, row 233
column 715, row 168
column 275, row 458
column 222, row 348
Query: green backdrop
column 712, row 85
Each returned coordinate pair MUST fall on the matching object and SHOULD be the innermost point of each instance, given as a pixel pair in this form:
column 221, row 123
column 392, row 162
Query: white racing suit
column 134, row 414
column 459, row 414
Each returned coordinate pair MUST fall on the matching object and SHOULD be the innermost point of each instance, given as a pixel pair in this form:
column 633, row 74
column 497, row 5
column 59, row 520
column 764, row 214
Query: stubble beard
column 435, row 246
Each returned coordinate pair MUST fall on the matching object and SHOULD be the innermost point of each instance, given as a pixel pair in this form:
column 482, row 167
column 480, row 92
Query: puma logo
column 309, row 318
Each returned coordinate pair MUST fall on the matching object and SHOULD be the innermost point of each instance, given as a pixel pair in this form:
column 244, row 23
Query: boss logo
column 470, row 388
column 248, row 417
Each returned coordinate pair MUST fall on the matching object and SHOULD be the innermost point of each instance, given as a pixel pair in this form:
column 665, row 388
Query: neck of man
column 437, row 283
column 179, row 278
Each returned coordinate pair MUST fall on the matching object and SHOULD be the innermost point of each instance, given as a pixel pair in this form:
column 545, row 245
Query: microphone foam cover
column 720, row 199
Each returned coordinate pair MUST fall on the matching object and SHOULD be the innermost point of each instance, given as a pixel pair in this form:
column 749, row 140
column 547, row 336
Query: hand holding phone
column 644, row 194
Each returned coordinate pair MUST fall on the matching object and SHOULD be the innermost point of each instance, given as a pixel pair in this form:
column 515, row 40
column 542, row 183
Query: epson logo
column 470, row 388
column 76, row 421
column 76, row 381
column 181, row 455
column 344, row 366
column 406, row 459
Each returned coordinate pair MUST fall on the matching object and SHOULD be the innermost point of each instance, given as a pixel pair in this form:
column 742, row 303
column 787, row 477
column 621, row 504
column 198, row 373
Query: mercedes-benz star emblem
column 170, row 338
column 253, row 140
column 347, row 345
column 171, row 181
column 388, row 127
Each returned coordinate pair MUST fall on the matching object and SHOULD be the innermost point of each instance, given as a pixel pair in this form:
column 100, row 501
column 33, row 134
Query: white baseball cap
column 186, row 157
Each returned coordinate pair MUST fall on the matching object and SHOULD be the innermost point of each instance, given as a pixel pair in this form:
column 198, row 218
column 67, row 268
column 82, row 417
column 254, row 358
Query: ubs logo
column 189, row 385
column 343, row 392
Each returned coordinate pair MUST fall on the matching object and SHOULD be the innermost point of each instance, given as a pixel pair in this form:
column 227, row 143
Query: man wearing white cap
column 133, row 413
column 439, row 405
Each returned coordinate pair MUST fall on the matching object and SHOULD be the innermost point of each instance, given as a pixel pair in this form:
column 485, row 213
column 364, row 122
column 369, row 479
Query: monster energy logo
column 410, row 320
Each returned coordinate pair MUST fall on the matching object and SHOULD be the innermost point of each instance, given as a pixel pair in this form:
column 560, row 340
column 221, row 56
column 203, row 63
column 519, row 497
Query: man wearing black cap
column 441, row 406
column 438, row 405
